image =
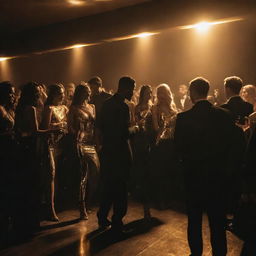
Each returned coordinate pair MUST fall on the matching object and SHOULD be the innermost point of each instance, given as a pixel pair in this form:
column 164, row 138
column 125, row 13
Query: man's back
column 203, row 133
column 238, row 108
column 114, row 122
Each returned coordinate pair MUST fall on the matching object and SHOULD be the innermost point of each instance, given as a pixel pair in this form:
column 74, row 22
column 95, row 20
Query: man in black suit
column 182, row 100
column 239, row 110
column 115, row 157
column 235, row 104
column 203, row 138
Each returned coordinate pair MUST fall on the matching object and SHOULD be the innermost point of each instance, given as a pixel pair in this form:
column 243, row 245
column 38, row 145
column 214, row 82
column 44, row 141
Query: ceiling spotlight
column 77, row 46
column 145, row 34
column 4, row 58
column 76, row 2
column 203, row 27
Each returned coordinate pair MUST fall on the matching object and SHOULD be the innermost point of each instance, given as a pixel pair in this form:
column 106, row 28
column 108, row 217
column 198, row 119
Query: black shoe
column 104, row 224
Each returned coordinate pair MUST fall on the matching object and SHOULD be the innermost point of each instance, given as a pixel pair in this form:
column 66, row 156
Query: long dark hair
column 53, row 90
column 78, row 98
column 142, row 92
column 29, row 95
column 5, row 87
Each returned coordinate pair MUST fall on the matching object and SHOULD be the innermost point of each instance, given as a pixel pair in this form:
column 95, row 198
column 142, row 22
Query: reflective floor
column 164, row 236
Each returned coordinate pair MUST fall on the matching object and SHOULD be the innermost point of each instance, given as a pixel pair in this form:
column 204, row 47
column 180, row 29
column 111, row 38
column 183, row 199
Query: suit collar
column 202, row 104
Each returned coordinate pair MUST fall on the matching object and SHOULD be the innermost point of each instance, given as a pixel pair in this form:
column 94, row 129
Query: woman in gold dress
column 54, row 117
column 81, row 120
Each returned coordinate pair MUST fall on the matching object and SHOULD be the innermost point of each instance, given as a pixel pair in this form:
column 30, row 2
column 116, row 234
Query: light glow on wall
column 204, row 26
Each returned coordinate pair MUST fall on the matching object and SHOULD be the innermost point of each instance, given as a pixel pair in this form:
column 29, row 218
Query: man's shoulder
column 114, row 102
column 222, row 111
column 184, row 114
column 225, row 105
column 244, row 103
column 108, row 101
column 105, row 95
column 248, row 105
column 238, row 102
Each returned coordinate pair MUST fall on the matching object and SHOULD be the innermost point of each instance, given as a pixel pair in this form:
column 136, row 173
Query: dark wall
column 173, row 57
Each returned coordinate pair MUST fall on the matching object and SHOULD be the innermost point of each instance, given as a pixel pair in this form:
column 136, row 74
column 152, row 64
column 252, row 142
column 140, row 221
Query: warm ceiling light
column 140, row 35
column 77, row 46
column 204, row 26
column 143, row 35
column 76, row 2
column 4, row 58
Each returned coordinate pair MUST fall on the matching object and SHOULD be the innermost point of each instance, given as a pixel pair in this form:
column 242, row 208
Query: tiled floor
column 166, row 236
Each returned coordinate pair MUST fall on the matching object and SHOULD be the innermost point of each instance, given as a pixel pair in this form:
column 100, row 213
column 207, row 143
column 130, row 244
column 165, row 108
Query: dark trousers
column 212, row 202
column 113, row 193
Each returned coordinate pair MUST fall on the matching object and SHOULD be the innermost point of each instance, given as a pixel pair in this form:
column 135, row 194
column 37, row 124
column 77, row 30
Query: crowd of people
column 91, row 144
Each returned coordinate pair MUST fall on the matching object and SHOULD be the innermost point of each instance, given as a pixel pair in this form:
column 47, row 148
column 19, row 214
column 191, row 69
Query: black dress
column 142, row 143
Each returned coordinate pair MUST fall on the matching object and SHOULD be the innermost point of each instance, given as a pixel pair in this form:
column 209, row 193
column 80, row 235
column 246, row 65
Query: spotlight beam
column 206, row 25
column 140, row 35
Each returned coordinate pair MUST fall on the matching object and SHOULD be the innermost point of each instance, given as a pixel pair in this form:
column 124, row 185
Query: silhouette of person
column 235, row 104
column 81, row 119
column 115, row 156
column 203, row 138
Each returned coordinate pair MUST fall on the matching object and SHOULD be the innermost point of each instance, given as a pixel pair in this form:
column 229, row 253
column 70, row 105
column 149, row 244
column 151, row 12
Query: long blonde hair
column 168, row 96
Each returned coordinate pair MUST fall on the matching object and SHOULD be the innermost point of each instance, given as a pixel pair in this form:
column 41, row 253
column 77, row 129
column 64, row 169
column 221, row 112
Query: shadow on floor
column 60, row 224
column 98, row 240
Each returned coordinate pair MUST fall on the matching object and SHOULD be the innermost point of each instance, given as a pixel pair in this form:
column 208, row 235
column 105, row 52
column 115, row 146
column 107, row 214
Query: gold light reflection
column 83, row 244
column 140, row 35
column 204, row 26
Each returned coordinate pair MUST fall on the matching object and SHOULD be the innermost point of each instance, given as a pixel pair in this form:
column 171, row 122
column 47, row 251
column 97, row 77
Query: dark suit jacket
column 204, row 137
column 114, row 126
column 238, row 108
